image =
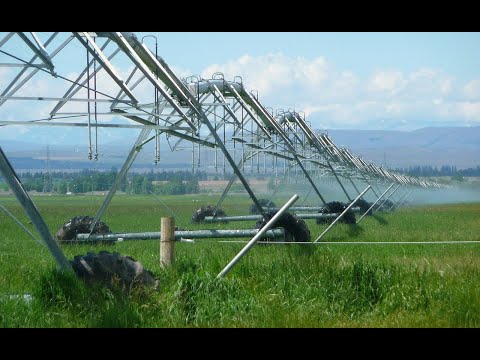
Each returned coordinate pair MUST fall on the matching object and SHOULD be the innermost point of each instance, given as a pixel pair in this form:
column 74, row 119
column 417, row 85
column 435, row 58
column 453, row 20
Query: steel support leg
column 372, row 206
column 343, row 213
column 383, row 202
column 24, row 199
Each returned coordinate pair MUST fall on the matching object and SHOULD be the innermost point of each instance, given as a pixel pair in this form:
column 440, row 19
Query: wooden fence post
column 167, row 241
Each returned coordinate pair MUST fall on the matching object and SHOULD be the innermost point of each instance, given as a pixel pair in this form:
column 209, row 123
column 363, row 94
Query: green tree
column 61, row 187
column 457, row 177
column 192, row 187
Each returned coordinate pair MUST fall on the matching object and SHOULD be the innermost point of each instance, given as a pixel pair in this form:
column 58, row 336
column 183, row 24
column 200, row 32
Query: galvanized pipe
column 410, row 201
column 25, row 69
column 232, row 180
column 355, row 186
column 317, row 216
column 21, row 225
column 343, row 213
column 398, row 202
column 193, row 234
column 196, row 106
column 262, row 231
column 371, row 207
column 24, row 199
column 318, row 145
column 150, row 64
column 288, row 144
column 405, row 199
column 307, row 208
column 213, row 219
column 166, row 207
column 383, row 202
column 299, row 208
column 71, row 124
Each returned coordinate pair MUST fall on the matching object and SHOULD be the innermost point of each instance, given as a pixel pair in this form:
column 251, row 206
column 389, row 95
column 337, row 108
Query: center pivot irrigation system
column 94, row 80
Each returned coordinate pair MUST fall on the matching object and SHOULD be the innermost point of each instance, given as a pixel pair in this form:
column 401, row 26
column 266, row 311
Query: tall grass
column 328, row 285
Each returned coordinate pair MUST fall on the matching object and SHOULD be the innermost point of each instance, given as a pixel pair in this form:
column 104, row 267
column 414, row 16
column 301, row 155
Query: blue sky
column 389, row 81
column 360, row 52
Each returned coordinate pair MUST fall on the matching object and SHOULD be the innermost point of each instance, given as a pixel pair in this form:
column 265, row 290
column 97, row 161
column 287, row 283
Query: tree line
column 166, row 182
column 445, row 170
column 173, row 182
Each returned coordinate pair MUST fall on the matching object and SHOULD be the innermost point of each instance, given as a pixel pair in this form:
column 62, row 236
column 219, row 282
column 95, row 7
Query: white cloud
column 471, row 110
column 387, row 81
column 180, row 71
column 394, row 108
column 345, row 85
column 472, row 89
column 446, row 86
column 269, row 73
column 339, row 98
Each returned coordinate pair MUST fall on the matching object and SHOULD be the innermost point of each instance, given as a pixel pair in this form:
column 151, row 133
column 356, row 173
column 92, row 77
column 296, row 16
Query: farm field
column 327, row 285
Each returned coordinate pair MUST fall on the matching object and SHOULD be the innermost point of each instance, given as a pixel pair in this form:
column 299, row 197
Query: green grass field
column 329, row 285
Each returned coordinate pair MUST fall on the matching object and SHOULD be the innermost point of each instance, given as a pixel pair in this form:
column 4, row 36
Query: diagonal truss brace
column 40, row 50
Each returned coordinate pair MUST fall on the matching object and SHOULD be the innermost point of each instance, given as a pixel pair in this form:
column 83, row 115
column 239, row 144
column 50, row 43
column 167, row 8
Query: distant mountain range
column 435, row 146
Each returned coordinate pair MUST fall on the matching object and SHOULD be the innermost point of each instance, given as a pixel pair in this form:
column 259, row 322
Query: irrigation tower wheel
column 296, row 230
column 79, row 225
column 364, row 206
column 113, row 269
column 337, row 207
column 264, row 203
column 200, row 214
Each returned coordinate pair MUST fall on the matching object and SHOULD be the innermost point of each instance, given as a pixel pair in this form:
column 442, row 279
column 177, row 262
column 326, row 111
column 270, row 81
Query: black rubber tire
column 264, row 203
column 113, row 269
column 387, row 205
column 79, row 225
column 337, row 207
column 296, row 230
column 200, row 214
column 364, row 206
